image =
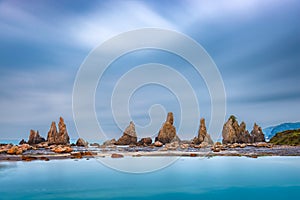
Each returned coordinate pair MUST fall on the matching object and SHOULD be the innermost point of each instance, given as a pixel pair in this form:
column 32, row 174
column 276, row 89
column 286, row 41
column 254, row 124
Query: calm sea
column 194, row 178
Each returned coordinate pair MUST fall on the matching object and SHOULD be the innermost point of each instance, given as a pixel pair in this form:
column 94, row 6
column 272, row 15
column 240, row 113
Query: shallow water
column 214, row 178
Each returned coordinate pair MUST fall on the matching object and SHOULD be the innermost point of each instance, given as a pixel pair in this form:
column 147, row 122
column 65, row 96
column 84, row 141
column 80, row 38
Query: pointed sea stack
column 257, row 134
column 203, row 136
column 129, row 136
column 167, row 133
column 60, row 137
column 35, row 138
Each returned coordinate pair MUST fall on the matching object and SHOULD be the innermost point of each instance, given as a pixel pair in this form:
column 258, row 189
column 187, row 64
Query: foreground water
column 214, row 178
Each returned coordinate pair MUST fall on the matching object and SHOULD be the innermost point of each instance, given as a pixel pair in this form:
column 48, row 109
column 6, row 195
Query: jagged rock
column 230, row 130
column 234, row 133
column 81, row 142
column 145, row 141
column 129, row 136
column 257, row 134
column 203, row 136
column 243, row 135
column 167, row 132
column 22, row 142
column 60, row 137
column 35, row 138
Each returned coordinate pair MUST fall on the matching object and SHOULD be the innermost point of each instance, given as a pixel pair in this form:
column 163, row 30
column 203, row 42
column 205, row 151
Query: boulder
column 35, row 138
column 13, row 150
column 81, row 142
column 158, row 144
column 58, row 137
column 116, row 155
column 129, row 136
column 110, row 142
column 167, row 132
column 145, row 141
column 62, row 149
column 257, row 134
column 203, row 136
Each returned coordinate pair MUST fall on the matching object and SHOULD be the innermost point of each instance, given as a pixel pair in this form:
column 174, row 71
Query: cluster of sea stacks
column 234, row 135
column 58, row 141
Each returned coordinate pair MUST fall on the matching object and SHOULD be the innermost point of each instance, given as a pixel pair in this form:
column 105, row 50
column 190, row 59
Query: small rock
column 158, row 144
column 116, row 155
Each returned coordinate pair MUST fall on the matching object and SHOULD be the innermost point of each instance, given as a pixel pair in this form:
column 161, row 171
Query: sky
column 254, row 44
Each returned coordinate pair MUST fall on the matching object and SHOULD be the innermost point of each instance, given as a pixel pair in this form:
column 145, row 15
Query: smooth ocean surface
column 194, row 178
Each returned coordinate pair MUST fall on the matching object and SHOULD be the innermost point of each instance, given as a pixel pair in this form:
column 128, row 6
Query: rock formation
column 145, row 141
column 235, row 133
column 60, row 137
column 22, row 142
column 129, row 136
column 35, row 138
column 203, row 136
column 81, row 142
column 243, row 135
column 257, row 134
column 167, row 133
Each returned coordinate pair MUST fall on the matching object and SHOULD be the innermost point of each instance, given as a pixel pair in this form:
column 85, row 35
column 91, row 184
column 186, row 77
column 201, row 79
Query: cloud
column 95, row 27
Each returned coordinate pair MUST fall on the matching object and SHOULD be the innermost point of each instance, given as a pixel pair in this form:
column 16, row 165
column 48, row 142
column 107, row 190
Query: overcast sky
column 255, row 45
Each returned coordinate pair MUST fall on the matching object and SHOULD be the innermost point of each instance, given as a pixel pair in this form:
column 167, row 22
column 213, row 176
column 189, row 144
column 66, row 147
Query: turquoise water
column 198, row 178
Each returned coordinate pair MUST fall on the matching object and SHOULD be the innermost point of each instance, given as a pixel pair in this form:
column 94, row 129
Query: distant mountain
column 271, row 131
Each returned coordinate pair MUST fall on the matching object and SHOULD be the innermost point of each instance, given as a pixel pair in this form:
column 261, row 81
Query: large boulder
column 167, row 132
column 145, row 141
column 257, row 134
column 81, row 142
column 203, row 136
column 35, row 138
column 58, row 137
column 129, row 136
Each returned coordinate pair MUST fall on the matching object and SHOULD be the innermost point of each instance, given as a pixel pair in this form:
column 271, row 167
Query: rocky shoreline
column 237, row 141
column 170, row 149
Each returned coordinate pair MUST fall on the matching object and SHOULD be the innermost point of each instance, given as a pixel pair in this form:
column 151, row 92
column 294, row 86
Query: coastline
column 129, row 151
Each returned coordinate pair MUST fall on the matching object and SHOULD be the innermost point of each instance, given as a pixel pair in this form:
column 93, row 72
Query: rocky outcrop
column 145, row 141
column 203, row 136
column 22, row 142
column 257, row 134
column 167, row 133
column 129, row 136
column 235, row 133
column 81, row 142
column 60, row 137
column 230, row 131
column 35, row 138
column 243, row 135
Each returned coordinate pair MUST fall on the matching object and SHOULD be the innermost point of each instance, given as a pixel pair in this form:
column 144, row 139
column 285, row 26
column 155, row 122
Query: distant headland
column 237, row 141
